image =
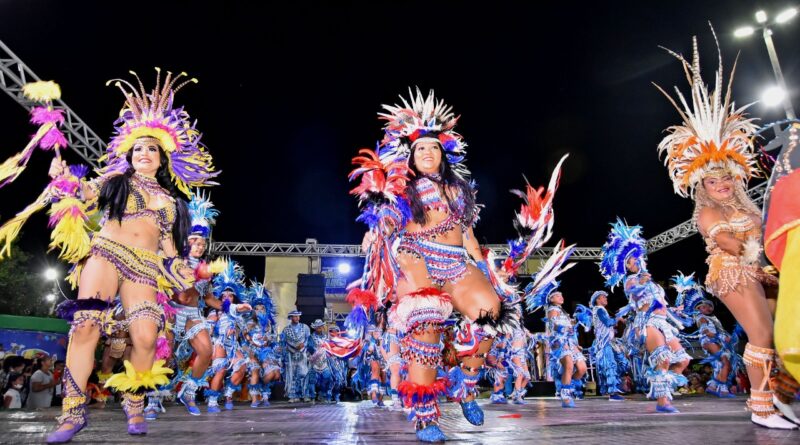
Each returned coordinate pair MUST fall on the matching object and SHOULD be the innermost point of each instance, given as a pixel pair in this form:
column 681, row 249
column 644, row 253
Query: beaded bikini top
column 430, row 194
column 136, row 207
column 739, row 225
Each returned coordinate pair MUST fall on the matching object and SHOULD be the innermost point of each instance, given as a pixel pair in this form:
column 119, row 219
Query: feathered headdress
column 690, row 293
column 231, row 277
column 203, row 215
column 715, row 137
column 257, row 295
column 537, row 293
column 422, row 117
column 623, row 242
column 154, row 115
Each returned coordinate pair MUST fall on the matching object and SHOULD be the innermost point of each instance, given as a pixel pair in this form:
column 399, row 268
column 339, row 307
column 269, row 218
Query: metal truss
column 14, row 74
column 688, row 228
column 354, row 250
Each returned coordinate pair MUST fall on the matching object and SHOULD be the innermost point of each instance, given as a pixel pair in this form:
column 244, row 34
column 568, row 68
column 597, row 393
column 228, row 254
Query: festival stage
column 703, row 421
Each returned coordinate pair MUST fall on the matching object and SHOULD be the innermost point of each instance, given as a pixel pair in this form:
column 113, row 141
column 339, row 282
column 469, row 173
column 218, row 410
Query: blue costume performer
column 229, row 324
column 718, row 344
column 606, row 351
column 497, row 372
column 338, row 367
column 655, row 324
column 567, row 363
column 294, row 343
column 264, row 364
column 191, row 330
column 319, row 374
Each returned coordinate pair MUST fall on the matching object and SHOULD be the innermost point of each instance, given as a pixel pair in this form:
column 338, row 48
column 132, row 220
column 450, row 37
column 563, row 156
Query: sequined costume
column 609, row 362
column 562, row 339
column 497, row 368
column 294, row 342
column 319, row 380
column 714, row 146
column 725, row 271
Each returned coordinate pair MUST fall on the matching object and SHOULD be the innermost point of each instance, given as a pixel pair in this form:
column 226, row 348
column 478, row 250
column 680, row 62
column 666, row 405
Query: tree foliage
column 22, row 289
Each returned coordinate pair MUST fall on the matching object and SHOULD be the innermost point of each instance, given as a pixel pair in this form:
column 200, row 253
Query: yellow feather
column 132, row 380
column 42, row 91
column 71, row 233
column 11, row 168
column 217, row 265
column 10, row 230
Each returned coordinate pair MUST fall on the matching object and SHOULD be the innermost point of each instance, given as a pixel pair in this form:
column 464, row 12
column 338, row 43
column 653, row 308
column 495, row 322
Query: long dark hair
column 449, row 179
column 114, row 197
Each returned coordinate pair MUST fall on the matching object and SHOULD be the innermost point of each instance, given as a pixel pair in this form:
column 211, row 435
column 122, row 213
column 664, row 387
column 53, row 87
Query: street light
column 785, row 16
column 763, row 24
column 50, row 274
column 773, row 96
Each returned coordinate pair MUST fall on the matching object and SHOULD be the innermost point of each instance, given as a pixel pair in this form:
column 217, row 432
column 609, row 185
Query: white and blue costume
column 319, row 373
column 294, row 342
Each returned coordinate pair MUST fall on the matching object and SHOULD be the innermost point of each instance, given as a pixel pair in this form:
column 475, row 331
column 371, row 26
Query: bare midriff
column 453, row 237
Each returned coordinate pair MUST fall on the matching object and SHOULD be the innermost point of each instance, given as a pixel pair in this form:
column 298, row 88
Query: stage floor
column 703, row 421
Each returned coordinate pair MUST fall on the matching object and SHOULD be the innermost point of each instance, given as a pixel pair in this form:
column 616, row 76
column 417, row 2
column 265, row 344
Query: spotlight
column 344, row 268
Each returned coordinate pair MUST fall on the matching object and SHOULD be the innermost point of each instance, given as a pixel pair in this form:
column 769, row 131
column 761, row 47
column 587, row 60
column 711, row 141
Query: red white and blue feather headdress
column 417, row 118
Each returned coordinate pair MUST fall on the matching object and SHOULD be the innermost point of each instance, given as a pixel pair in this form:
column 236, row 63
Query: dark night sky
column 287, row 96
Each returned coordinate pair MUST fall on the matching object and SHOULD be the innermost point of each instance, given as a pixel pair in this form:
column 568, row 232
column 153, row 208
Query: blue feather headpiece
column 231, row 277
column 203, row 215
column 536, row 298
column 623, row 242
column 257, row 295
column 690, row 293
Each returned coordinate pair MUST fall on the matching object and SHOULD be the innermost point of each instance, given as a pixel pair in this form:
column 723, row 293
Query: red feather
column 360, row 297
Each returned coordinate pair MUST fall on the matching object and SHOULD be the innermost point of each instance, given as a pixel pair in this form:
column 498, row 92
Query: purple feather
column 53, row 138
column 79, row 170
column 42, row 115
column 66, row 310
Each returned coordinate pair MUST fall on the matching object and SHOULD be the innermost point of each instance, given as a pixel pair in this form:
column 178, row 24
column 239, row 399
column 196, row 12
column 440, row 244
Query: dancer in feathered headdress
column 419, row 203
column 229, row 322
column 264, row 366
column 626, row 251
column 567, row 363
column 718, row 344
column 153, row 158
column 191, row 329
column 710, row 157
